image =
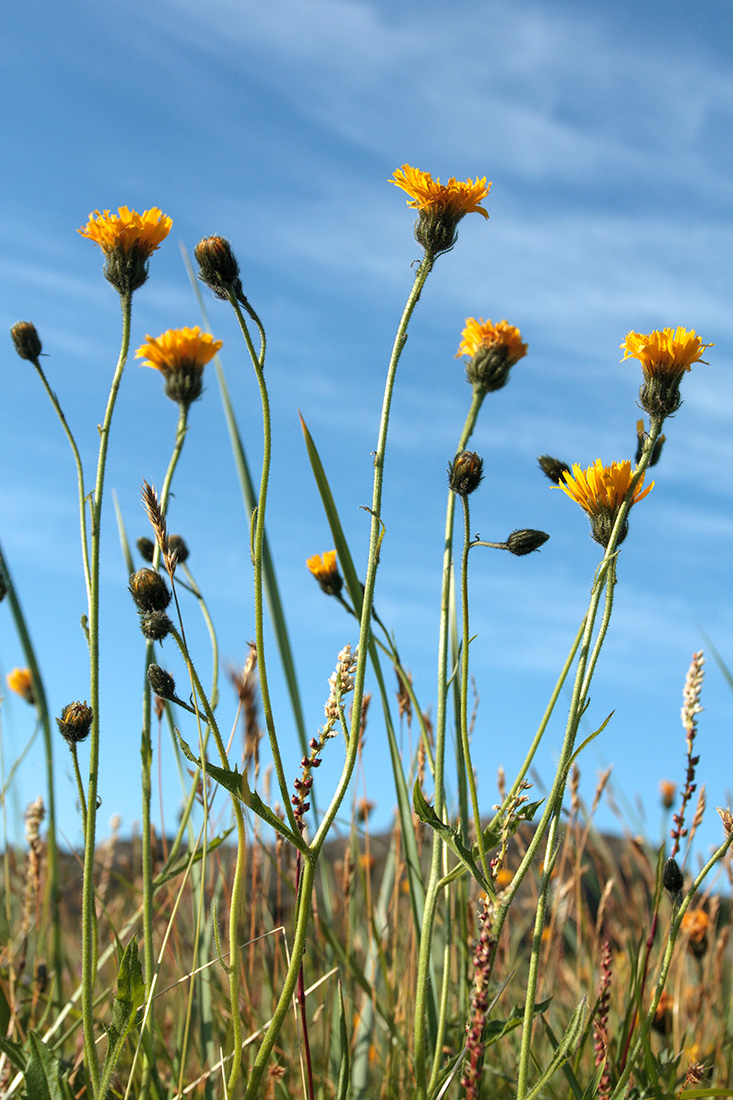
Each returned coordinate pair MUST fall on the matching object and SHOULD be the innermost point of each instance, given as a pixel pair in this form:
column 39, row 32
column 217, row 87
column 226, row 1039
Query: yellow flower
column 440, row 206
column 481, row 334
column 602, row 488
column 695, row 925
column 664, row 355
column 453, row 197
column 667, row 791
column 20, row 680
column 180, row 355
column 325, row 570
column 666, row 351
column 128, row 240
column 492, row 350
column 127, row 230
column 600, row 491
column 503, row 877
column 178, row 348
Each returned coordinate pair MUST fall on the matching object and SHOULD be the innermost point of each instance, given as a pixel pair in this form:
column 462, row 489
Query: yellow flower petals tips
column 453, row 197
column 127, row 230
column 179, row 347
column 128, row 240
column 666, row 351
column 492, row 350
column 20, row 681
column 602, row 487
column 600, row 491
column 325, row 570
column 480, row 334
column 180, row 355
column 440, row 206
column 665, row 355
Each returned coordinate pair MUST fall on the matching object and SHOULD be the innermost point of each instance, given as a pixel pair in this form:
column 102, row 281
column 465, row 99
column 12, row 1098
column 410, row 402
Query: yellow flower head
column 128, row 240
column 667, row 792
column 128, row 230
column 492, row 351
column 600, row 491
column 454, row 198
column 664, row 355
column 325, row 570
column 696, row 924
column 440, row 205
column 481, row 334
column 180, row 354
column 667, row 351
column 20, row 680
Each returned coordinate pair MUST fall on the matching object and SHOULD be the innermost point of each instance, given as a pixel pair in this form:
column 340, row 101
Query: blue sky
column 606, row 132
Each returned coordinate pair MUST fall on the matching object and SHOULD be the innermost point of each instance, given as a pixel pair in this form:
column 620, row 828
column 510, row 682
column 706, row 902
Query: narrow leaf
column 449, row 836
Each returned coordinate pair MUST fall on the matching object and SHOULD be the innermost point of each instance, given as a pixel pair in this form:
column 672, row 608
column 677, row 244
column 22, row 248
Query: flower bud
column 641, row 438
column 146, row 548
column 75, row 722
column 26, row 340
column 149, row 590
column 465, row 473
column 177, row 544
column 525, row 542
column 155, row 625
column 161, row 682
column 218, row 267
column 672, row 877
column 554, row 468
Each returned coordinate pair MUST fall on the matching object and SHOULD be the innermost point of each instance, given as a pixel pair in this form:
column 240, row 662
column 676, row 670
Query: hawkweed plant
column 424, row 985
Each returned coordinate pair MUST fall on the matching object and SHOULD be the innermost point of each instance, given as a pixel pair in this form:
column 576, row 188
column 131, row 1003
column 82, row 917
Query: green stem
column 555, row 802
column 88, row 917
column 258, row 362
column 238, row 879
column 622, row 1085
column 303, row 910
column 433, row 891
column 79, row 475
column 465, row 740
column 54, row 891
column 146, row 754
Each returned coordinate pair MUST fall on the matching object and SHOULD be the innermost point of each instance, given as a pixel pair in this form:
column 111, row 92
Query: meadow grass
column 267, row 951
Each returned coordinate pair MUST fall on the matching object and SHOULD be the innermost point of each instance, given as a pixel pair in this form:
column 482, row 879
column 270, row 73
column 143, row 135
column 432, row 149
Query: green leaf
column 343, row 1081
column 237, row 784
column 14, row 1052
column 334, row 522
column 564, row 1050
column 129, row 999
column 44, row 1079
column 130, row 992
column 182, row 864
column 497, row 1029
column 450, row 837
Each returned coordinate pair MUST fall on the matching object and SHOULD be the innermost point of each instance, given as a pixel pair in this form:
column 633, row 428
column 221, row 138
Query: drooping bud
column 176, row 543
column 161, row 682
column 146, row 548
column 26, row 339
column 554, row 468
column 525, row 542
